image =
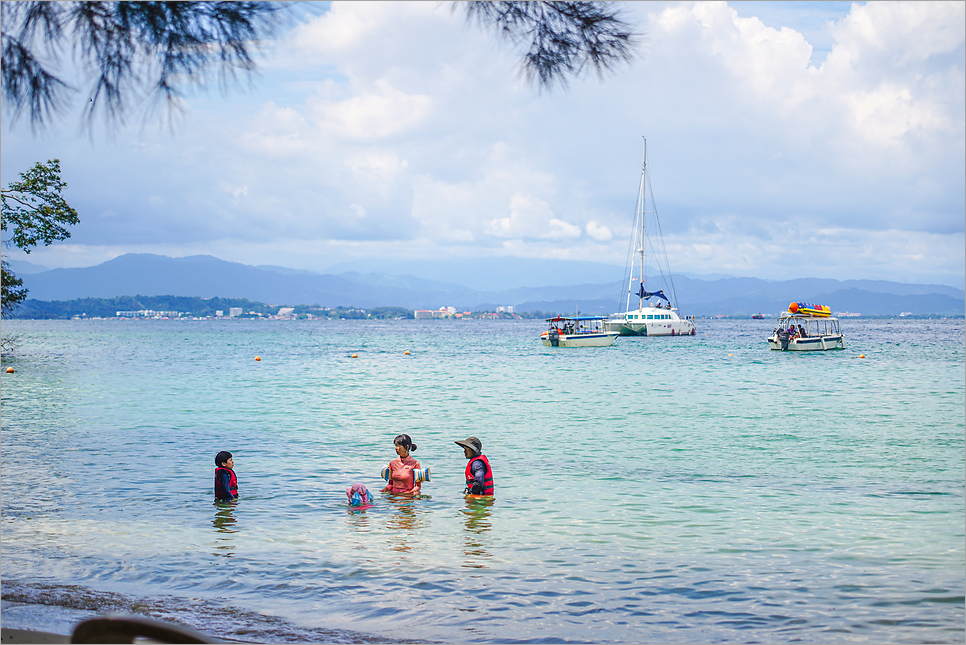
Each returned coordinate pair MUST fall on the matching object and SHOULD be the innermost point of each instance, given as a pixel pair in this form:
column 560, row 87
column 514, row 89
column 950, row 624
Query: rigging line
column 631, row 250
column 670, row 276
column 629, row 263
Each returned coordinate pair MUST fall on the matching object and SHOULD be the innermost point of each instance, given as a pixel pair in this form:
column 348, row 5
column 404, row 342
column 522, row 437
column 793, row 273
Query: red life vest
column 487, row 475
column 232, row 491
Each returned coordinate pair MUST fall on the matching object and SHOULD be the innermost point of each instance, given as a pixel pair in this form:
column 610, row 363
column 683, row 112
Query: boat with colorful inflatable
column 807, row 327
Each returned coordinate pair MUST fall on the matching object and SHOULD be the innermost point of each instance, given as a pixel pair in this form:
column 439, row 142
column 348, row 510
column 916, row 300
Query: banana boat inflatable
column 822, row 311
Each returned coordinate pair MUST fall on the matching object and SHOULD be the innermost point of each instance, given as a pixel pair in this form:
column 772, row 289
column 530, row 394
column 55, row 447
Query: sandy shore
column 37, row 618
column 10, row 635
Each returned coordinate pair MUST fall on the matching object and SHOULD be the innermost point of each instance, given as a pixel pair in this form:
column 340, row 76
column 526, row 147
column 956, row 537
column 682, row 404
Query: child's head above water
column 358, row 494
column 222, row 457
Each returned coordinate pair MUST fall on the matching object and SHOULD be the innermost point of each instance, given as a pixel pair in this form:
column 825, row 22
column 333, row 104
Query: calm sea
column 665, row 490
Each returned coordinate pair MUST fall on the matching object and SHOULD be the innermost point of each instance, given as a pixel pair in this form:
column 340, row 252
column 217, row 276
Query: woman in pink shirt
column 401, row 479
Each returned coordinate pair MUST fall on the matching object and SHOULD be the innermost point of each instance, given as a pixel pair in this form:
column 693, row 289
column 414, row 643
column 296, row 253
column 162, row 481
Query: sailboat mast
column 640, row 304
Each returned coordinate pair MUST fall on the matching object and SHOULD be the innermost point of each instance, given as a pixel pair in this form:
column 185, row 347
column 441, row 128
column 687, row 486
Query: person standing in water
column 401, row 479
column 479, row 475
column 226, row 484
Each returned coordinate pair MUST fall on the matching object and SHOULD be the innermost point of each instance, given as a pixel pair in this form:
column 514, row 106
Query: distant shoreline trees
column 190, row 306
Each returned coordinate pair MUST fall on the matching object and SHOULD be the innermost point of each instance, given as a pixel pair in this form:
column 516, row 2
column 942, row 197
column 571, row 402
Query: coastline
column 10, row 635
column 27, row 622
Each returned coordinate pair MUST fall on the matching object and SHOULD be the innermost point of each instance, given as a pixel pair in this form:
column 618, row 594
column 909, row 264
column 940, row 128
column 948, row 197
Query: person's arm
column 416, row 485
column 479, row 473
column 388, row 481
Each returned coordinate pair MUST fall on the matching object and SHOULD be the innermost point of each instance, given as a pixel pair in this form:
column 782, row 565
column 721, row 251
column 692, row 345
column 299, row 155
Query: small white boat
column 649, row 319
column 579, row 331
column 806, row 328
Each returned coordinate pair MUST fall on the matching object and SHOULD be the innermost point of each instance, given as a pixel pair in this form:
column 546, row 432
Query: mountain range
column 473, row 284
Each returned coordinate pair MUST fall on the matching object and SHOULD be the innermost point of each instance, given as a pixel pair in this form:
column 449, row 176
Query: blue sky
column 785, row 140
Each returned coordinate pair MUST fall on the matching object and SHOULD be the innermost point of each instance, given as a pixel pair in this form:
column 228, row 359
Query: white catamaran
column 649, row 319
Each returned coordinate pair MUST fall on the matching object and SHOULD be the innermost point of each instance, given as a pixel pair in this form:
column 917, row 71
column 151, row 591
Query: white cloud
column 373, row 115
column 395, row 128
column 531, row 217
column 598, row 231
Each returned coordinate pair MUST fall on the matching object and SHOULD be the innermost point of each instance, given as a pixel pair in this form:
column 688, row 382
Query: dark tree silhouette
column 124, row 51
column 563, row 38
column 150, row 53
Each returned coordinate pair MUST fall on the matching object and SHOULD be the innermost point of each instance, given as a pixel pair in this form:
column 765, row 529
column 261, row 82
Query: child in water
column 359, row 495
column 401, row 479
column 226, row 484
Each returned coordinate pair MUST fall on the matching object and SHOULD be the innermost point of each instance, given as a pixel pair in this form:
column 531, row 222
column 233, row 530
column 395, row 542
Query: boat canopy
column 576, row 318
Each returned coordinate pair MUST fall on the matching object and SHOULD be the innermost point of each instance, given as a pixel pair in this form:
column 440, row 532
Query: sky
column 784, row 140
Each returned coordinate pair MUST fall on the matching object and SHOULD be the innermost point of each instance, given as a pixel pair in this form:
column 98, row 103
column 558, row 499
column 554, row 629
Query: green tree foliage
column 35, row 209
column 389, row 313
column 14, row 292
column 36, row 212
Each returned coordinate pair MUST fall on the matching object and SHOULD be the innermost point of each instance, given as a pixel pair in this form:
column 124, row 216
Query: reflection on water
column 405, row 519
column 359, row 523
column 476, row 524
column 224, row 523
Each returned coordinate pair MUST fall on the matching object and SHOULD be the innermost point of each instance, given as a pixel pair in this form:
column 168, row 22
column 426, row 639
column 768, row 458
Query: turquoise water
column 662, row 490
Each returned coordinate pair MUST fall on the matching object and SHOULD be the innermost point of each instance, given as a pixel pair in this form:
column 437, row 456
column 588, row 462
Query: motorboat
column 652, row 319
column 578, row 331
column 806, row 328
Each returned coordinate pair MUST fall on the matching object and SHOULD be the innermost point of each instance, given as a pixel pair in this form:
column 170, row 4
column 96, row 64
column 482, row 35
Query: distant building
column 148, row 313
column 286, row 312
column 422, row 313
column 234, row 311
column 219, row 313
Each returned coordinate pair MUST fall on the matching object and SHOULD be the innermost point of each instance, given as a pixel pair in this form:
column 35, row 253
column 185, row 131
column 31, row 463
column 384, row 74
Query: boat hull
column 811, row 344
column 603, row 339
column 635, row 323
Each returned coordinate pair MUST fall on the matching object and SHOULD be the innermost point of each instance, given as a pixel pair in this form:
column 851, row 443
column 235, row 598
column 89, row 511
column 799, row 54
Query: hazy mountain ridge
column 207, row 276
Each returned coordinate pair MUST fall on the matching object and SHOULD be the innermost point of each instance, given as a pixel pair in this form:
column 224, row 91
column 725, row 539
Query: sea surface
column 663, row 490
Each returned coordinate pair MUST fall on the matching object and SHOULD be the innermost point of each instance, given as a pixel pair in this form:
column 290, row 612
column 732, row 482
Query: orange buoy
column 729, row 354
column 258, row 358
column 355, row 356
column 861, row 355
column 10, row 370
column 406, row 352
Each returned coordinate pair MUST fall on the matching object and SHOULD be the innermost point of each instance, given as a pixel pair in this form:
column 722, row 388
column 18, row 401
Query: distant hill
column 565, row 286
column 492, row 274
column 22, row 267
